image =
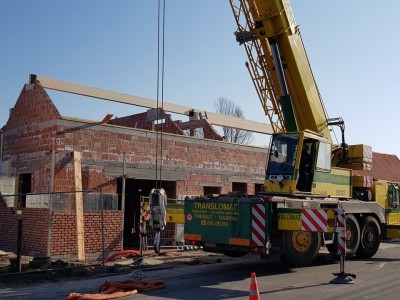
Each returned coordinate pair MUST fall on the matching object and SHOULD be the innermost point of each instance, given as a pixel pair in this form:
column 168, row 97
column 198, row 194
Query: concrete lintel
column 214, row 184
column 193, row 124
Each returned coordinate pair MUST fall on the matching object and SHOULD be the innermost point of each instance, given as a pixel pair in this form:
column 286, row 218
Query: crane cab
column 301, row 163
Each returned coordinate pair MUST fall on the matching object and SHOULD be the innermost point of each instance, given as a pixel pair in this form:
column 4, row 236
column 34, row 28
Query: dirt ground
column 61, row 271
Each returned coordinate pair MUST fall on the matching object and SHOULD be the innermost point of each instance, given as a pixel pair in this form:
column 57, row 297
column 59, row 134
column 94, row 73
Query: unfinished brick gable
column 169, row 126
column 141, row 121
column 210, row 133
column 33, row 106
column 134, row 121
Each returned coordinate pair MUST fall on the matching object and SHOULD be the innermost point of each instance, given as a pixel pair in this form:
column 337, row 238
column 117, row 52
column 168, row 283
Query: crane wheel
column 352, row 235
column 300, row 248
column 370, row 238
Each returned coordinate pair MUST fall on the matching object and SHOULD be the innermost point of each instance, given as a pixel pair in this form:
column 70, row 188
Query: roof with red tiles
column 384, row 166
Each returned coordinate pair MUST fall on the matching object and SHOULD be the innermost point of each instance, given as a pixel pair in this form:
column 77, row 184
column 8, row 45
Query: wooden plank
column 106, row 119
column 79, row 206
column 212, row 118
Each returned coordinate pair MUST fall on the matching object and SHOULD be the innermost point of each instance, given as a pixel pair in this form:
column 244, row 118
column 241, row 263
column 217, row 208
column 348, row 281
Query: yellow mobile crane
column 308, row 177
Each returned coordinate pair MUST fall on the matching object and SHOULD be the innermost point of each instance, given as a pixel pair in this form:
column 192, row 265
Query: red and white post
column 342, row 277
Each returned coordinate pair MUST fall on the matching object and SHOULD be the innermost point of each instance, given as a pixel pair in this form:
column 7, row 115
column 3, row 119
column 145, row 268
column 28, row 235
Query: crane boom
column 293, row 95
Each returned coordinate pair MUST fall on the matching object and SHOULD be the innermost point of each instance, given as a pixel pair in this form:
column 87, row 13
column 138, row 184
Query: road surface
column 377, row 278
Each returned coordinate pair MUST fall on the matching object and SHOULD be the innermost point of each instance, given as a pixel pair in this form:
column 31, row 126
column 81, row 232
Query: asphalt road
column 376, row 278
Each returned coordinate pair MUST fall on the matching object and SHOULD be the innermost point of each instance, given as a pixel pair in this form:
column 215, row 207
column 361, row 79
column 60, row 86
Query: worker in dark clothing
column 305, row 175
column 306, row 159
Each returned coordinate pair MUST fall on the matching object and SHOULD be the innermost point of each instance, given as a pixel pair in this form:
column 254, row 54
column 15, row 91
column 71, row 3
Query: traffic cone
column 254, row 294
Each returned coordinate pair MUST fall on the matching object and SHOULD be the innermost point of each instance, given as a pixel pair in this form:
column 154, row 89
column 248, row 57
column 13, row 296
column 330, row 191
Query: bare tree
column 228, row 107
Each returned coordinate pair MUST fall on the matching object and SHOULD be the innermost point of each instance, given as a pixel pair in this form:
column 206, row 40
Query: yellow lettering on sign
column 215, row 213
column 215, row 206
column 175, row 215
column 221, row 224
column 392, row 218
column 227, row 218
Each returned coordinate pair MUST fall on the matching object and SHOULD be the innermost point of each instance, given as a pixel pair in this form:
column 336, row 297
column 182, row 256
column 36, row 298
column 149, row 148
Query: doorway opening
column 134, row 190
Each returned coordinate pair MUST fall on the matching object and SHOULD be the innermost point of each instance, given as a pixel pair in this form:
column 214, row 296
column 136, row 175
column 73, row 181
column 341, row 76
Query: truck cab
column 300, row 163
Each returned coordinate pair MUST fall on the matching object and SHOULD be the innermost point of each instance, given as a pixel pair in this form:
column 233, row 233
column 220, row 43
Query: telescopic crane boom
column 279, row 66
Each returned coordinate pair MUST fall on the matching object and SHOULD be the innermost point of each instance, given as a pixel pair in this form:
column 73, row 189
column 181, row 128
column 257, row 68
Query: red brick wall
column 26, row 139
column 140, row 121
column 63, row 234
column 33, row 106
column 64, row 237
column 34, row 225
column 110, row 146
column 169, row 126
column 93, row 179
column 134, row 121
column 210, row 133
column 63, row 231
column 112, row 231
column 33, row 141
column 8, row 229
column 246, row 163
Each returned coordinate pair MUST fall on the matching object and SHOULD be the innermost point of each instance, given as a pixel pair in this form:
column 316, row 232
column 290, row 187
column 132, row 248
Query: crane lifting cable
column 160, row 90
column 158, row 198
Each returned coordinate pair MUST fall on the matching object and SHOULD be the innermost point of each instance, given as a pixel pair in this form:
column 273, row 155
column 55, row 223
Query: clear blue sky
column 353, row 47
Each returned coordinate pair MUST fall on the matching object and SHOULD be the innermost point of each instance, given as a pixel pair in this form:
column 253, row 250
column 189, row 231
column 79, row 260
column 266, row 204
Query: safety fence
column 71, row 226
column 172, row 236
column 62, row 201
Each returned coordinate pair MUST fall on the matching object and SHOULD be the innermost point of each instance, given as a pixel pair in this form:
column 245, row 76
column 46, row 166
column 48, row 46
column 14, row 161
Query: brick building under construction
column 39, row 154
column 46, row 158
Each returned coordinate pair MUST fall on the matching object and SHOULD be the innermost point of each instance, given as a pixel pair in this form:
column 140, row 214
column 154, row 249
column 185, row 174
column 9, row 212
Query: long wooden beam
column 80, row 228
column 93, row 92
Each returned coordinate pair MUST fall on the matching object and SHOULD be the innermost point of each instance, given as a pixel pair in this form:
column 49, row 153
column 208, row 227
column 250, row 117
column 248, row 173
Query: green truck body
column 227, row 224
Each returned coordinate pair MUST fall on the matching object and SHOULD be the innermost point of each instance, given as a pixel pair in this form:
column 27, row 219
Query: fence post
column 123, row 200
column 80, row 228
column 102, row 227
column 49, row 220
column 52, row 170
column 19, row 241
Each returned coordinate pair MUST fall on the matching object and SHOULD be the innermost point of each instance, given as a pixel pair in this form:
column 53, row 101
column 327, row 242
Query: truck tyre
column 300, row 248
column 352, row 235
column 370, row 238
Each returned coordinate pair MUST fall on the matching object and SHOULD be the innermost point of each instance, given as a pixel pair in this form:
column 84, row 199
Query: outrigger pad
column 343, row 278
